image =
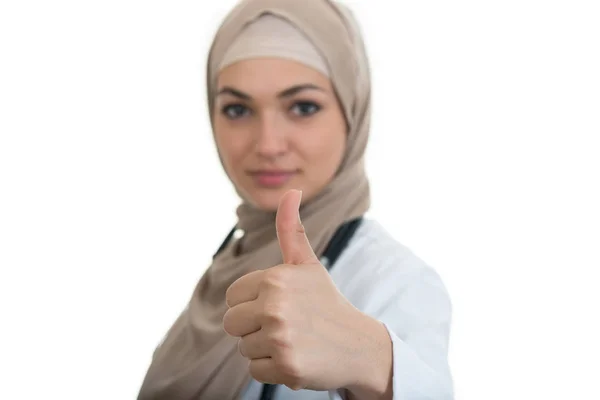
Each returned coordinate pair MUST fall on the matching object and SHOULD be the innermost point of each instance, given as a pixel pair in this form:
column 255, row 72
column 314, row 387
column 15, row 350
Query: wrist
column 372, row 378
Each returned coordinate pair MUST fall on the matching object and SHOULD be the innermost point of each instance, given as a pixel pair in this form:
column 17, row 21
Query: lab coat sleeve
column 417, row 315
column 418, row 320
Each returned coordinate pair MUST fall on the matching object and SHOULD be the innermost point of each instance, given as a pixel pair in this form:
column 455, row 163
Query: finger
column 295, row 247
column 242, row 319
column 254, row 345
column 264, row 370
column 244, row 289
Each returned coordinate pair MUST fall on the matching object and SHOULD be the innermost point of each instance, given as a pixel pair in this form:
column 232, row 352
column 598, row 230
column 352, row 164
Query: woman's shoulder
column 375, row 246
column 376, row 268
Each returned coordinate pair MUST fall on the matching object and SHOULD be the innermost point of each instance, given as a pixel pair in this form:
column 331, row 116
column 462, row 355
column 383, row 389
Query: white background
column 484, row 160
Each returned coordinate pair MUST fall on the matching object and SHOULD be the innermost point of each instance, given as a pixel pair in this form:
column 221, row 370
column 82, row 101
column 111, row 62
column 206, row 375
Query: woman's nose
column 271, row 140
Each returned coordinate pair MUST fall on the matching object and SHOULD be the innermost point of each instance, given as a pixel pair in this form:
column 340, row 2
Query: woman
column 289, row 98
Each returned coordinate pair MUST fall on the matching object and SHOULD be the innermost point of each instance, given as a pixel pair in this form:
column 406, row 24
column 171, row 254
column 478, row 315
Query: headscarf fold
column 197, row 359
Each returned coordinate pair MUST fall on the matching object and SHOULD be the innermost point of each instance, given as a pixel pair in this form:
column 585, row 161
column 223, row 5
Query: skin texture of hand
column 297, row 329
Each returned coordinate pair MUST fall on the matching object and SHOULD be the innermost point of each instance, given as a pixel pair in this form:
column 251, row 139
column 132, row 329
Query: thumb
column 295, row 247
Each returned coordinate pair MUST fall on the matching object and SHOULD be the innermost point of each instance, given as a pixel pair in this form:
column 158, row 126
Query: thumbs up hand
column 294, row 326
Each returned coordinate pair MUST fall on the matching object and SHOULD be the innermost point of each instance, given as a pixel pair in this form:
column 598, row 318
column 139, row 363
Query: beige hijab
column 197, row 359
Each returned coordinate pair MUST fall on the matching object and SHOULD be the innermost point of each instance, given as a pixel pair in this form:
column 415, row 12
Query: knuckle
column 280, row 340
column 275, row 278
column 299, row 228
column 274, row 312
column 292, row 373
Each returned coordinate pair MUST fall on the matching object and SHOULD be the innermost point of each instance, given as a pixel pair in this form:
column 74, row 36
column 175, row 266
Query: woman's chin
column 266, row 199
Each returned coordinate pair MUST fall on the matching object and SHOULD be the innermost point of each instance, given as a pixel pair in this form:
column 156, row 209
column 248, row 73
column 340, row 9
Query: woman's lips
column 272, row 179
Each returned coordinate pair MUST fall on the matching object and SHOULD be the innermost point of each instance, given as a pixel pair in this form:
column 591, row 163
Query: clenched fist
column 296, row 328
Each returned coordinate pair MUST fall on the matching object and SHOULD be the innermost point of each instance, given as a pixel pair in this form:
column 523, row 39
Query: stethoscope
column 334, row 248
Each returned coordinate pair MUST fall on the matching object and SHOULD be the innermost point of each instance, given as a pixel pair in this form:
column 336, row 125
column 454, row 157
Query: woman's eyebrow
column 234, row 92
column 285, row 93
column 299, row 88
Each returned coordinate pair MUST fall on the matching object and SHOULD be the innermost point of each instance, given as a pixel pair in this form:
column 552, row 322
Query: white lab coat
column 384, row 279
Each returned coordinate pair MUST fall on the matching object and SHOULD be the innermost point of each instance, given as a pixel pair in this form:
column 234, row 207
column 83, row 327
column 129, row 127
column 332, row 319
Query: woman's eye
column 305, row 108
column 234, row 111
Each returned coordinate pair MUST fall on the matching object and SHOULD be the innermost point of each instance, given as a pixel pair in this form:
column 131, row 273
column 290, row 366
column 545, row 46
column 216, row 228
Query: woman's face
column 278, row 126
